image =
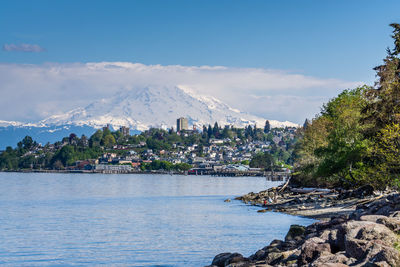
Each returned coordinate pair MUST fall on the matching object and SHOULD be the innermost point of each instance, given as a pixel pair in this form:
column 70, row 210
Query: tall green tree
column 216, row 129
column 210, row 131
column 109, row 141
column 95, row 139
column 382, row 114
column 27, row 143
column 267, row 127
column 263, row 160
column 384, row 100
column 342, row 158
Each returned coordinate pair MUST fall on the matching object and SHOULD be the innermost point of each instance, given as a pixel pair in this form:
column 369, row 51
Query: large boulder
column 312, row 249
column 333, row 260
column 332, row 236
column 236, row 259
column 370, row 242
column 385, row 254
column 261, row 254
column 273, row 258
column 232, row 259
column 369, row 231
column 295, row 233
column 393, row 223
column 220, row 259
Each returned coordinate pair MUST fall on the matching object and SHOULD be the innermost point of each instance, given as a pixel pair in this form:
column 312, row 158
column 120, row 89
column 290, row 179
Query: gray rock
column 220, row 259
column 240, row 264
column 395, row 214
column 236, row 258
column 370, row 236
column 312, row 249
column 272, row 249
column 391, row 223
column 329, row 259
column 273, row 258
column 261, row 264
column 332, row 236
column 259, row 255
column 296, row 233
column 371, row 218
column 366, row 230
column 371, row 242
column 384, row 254
column 356, row 248
column 276, row 243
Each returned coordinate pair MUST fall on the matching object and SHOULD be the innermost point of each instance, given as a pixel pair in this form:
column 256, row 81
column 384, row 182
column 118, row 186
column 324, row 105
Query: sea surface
column 131, row 220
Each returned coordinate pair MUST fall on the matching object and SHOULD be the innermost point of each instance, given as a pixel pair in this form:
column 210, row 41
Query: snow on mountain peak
column 158, row 106
column 10, row 123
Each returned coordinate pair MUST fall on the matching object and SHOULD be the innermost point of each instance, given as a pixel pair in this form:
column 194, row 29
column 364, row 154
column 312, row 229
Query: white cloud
column 33, row 92
column 23, row 48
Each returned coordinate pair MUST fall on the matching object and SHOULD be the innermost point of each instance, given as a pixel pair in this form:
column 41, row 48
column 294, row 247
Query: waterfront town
column 214, row 150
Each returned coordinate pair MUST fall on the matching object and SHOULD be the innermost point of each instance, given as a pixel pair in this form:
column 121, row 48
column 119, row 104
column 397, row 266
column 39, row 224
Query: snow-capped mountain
column 138, row 109
column 16, row 124
column 157, row 107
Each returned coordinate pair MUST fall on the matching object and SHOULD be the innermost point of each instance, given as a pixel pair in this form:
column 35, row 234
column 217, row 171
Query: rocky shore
column 357, row 228
column 315, row 203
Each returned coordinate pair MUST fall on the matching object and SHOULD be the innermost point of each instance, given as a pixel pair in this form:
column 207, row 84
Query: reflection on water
column 135, row 220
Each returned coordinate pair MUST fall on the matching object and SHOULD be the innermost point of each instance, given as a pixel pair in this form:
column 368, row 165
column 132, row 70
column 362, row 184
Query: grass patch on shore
column 396, row 245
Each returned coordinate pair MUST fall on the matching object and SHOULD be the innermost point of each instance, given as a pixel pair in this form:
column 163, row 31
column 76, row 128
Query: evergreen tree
column 96, row 138
column 72, row 138
column 382, row 116
column 306, row 124
column 226, row 132
column 204, row 134
column 27, row 143
column 384, row 104
column 267, row 127
column 210, row 131
column 254, row 133
column 248, row 132
column 216, row 129
column 83, row 142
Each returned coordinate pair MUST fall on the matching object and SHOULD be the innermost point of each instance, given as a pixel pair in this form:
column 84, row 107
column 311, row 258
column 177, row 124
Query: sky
column 285, row 57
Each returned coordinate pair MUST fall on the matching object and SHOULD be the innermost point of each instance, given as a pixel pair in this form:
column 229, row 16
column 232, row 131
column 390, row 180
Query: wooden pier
column 272, row 176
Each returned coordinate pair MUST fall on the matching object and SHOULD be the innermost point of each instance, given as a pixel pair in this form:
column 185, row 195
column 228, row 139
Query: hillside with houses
column 212, row 148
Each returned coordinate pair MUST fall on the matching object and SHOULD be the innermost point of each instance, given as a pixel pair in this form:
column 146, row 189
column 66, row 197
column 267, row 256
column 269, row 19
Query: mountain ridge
column 148, row 107
column 158, row 107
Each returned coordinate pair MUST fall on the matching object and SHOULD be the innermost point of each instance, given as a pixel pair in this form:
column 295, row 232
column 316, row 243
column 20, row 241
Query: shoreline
column 316, row 204
column 355, row 228
column 93, row 172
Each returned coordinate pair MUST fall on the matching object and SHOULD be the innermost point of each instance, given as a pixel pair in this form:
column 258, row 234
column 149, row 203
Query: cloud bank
column 33, row 92
column 33, row 48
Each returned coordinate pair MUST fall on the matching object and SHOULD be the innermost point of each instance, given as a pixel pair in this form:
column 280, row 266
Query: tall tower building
column 182, row 124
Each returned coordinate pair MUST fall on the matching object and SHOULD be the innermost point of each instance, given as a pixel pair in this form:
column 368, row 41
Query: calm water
column 130, row 220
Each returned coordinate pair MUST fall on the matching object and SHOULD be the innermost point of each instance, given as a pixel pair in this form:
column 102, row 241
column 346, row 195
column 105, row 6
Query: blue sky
column 340, row 39
column 337, row 39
